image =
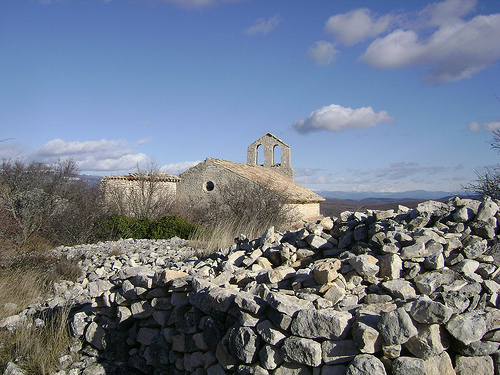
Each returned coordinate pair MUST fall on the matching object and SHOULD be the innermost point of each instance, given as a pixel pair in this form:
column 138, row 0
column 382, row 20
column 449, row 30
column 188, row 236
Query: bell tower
column 276, row 154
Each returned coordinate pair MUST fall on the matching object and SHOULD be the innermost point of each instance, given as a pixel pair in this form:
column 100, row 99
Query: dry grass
column 208, row 240
column 37, row 349
column 26, row 279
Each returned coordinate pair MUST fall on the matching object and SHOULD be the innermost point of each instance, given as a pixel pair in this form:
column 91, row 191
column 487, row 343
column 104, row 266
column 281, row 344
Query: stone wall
column 127, row 195
column 383, row 292
column 305, row 210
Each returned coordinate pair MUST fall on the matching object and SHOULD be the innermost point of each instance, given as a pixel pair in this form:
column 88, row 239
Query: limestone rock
column 440, row 364
column 365, row 265
column 366, row 364
column 335, row 352
column 244, row 344
column 301, row 350
column 317, row 324
column 396, row 327
column 474, row 365
column 407, row 366
column 467, row 327
column 424, row 310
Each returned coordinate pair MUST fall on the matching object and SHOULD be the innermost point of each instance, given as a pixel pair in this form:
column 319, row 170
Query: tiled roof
column 162, row 177
column 267, row 177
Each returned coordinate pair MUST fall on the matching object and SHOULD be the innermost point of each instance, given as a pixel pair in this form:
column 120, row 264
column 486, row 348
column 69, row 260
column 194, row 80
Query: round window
column 209, row 186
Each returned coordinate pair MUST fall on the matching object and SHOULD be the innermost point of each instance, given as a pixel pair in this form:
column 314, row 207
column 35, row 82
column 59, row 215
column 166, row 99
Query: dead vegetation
column 238, row 208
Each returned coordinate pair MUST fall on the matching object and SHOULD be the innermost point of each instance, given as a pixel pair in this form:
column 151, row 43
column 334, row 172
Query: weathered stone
column 335, row 352
column 365, row 264
column 251, row 370
column 366, row 364
column 427, row 343
column 94, row 335
column 123, row 314
column 400, row 288
column 474, row 248
column 463, row 215
column 428, row 282
column 467, row 266
column 13, row 369
column 479, row 348
column 391, row 351
column 467, row 327
column 301, row 350
column 286, row 304
column 333, row 370
column 433, row 208
column 424, row 310
column 244, row 344
column 269, row 333
column 367, row 337
column 326, row 323
column 474, row 365
column 326, row 272
column 270, row 357
column 77, row 323
column 146, row 335
column 141, row 310
column 408, row 366
column 440, row 364
column 396, row 327
column 391, row 266
column 280, row 273
column 292, row 369
column 319, row 243
column 487, row 209
column 335, row 293
column 211, row 297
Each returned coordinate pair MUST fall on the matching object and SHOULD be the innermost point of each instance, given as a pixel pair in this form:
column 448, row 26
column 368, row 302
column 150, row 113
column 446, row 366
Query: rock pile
column 406, row 291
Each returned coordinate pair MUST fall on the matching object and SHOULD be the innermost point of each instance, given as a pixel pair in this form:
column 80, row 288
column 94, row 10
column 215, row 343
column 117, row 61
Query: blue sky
column 371, row 96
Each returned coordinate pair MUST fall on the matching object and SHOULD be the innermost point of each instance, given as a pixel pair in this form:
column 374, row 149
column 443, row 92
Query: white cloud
column 322, row 53
column 10, row 150
column 490, row 126
column 263, row 26
column 458, row 49
column 447, row 12
column 337, row 118
column 178, row 168
column 355, row 26
column 101, row 155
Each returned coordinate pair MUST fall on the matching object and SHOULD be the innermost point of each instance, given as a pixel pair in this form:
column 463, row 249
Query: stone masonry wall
column 411, row 291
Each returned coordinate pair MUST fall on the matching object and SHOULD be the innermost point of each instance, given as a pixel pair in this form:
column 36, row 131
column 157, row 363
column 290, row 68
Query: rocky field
column 399, row 291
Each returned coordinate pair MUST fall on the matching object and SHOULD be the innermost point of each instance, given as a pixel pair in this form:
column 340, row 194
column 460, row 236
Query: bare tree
column 31, row 195
column 242, row 202
column 488, row 181
column 148, row 193
column 263, row 204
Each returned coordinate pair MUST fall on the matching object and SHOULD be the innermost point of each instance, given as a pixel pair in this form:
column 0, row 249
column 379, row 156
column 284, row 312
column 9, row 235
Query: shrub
column 120, row 226
column 239, row 208
column 41, row 203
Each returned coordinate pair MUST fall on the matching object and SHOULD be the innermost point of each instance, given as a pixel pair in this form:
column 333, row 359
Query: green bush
column 128, row 227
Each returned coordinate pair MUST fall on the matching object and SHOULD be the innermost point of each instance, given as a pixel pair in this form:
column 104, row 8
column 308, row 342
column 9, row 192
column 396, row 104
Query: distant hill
column 377, row 201
column 388, row 197
column 92, row 179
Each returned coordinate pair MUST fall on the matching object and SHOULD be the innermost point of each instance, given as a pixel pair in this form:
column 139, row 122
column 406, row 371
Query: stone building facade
column 138, row 194
column 204, row 180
